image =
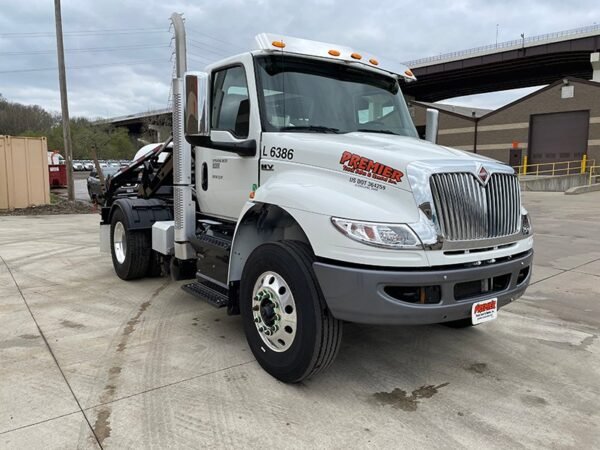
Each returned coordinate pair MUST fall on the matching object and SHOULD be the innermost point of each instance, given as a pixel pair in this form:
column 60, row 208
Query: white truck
column 298, row 194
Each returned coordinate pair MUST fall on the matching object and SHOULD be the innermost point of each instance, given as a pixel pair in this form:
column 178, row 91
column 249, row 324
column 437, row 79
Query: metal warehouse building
column 560, row 122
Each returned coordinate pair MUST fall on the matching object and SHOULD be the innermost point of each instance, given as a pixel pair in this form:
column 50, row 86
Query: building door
column 558, row 136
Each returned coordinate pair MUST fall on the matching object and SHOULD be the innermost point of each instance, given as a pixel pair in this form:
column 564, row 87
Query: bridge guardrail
column 516, row 43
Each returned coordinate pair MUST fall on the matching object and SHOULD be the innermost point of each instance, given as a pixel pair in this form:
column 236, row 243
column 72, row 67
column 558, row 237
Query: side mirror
column 224, row 140
column 431, row 125
column 196, row 105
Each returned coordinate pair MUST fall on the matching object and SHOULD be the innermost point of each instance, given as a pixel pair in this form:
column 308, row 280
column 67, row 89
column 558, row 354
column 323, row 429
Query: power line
column 88, row 49
column 203, row 58
column 202, row 46
column 42, row 69
column 231, row 44
column 86, row 32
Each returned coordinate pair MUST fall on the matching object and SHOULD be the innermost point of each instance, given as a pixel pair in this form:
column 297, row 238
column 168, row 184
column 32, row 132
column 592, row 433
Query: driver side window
column 230, row 102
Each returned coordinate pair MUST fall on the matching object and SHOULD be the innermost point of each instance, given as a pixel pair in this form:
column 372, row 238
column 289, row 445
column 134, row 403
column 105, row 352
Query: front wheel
column 289, row 329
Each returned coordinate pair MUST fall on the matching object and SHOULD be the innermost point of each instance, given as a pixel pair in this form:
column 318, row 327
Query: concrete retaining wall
column 558, row 183
column 583, row 189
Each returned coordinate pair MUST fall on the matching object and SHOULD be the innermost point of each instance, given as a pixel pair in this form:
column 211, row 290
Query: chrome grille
column 467, row 210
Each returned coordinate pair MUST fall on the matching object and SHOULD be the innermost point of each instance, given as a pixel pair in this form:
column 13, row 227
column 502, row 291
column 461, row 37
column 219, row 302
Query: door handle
column 204, row 176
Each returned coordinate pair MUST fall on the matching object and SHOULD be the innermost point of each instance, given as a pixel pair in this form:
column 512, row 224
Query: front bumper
column 362, row 295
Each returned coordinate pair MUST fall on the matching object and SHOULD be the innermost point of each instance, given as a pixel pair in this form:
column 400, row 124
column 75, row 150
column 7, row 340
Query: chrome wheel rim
column 119, row 242
column 274, row 311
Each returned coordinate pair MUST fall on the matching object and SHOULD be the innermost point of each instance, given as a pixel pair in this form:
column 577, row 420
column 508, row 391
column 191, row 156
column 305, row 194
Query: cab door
column 225, row 179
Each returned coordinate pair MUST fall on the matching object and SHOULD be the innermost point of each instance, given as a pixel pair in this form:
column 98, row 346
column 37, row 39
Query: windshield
column 300, row 94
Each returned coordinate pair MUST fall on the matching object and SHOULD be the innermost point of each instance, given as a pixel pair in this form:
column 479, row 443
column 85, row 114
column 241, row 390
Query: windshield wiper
column 311, row 128
column 369, row 130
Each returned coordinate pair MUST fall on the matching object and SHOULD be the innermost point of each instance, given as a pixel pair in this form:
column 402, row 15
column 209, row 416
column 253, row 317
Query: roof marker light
column 334, row 52
column 409, row 73
column 278, row 44
column 356, row 56
column 374, row 61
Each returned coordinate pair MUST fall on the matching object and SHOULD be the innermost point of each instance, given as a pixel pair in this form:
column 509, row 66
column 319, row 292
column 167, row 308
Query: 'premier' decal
column 351, row 162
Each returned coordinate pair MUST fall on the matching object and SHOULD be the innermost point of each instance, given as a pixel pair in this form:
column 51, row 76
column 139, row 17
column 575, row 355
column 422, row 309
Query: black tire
column 462, row 323
column 318, row 333
column 138, row 249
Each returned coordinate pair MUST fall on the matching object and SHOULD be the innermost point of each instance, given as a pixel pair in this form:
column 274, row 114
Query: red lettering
column 367, row 167
column 489, row 306
column 345, row 157
column 397, row 175
column 373, row 166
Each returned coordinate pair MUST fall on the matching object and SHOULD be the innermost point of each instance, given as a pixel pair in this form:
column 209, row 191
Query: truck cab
column 302, row 197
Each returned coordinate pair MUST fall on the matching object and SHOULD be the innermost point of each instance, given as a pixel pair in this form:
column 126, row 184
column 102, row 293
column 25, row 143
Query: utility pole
column 62, row 77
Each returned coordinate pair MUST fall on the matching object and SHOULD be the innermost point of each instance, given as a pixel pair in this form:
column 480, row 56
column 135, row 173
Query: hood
column 380, row 157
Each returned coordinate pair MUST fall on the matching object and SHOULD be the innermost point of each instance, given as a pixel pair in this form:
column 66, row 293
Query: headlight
column 378, row 234
column 526, row 227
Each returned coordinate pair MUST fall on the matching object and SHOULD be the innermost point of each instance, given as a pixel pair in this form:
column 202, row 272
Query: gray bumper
column 359, row 294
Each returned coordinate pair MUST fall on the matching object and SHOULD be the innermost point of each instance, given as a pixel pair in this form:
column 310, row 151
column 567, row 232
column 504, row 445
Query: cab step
column 211, row 293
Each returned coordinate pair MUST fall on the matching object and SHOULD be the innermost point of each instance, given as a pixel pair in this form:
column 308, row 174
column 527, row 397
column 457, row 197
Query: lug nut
column 257, row 319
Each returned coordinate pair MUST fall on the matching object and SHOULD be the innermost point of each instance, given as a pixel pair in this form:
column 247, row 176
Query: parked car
column 88, row 165
column 93, row 181
column 78, row 166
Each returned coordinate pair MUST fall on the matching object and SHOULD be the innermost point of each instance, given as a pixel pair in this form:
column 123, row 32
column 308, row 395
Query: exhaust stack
column 184, row 208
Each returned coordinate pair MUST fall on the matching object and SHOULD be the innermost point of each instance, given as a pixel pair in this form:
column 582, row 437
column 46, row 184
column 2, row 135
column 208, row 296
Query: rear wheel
column 289, row 329
column 131, row 249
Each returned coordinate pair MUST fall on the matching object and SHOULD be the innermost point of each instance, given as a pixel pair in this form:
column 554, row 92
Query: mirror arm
column 243, row 148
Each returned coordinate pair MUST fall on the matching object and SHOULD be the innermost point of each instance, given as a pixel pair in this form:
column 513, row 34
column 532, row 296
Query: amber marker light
column 408, row 73
column 356, row 56
column 374, row 61
column 278, row 44
column 334, row 52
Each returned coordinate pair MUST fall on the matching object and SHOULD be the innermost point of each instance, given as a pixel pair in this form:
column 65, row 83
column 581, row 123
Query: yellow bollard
column 583, row 163
column 525, row 165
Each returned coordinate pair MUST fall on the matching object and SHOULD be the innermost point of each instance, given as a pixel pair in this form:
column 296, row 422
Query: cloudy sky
column 118, row 52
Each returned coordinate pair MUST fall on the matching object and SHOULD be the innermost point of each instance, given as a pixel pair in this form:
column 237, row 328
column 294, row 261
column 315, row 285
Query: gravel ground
column 58, row 205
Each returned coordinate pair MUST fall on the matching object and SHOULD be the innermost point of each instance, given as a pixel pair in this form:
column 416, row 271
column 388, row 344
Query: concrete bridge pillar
column 162, row 132
column 595, row 61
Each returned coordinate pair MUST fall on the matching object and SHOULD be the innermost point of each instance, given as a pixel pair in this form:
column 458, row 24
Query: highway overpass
column 525, row 62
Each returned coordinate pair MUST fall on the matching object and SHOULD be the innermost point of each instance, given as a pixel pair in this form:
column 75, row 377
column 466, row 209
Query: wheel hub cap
column 274, row 311
column 119, row 242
